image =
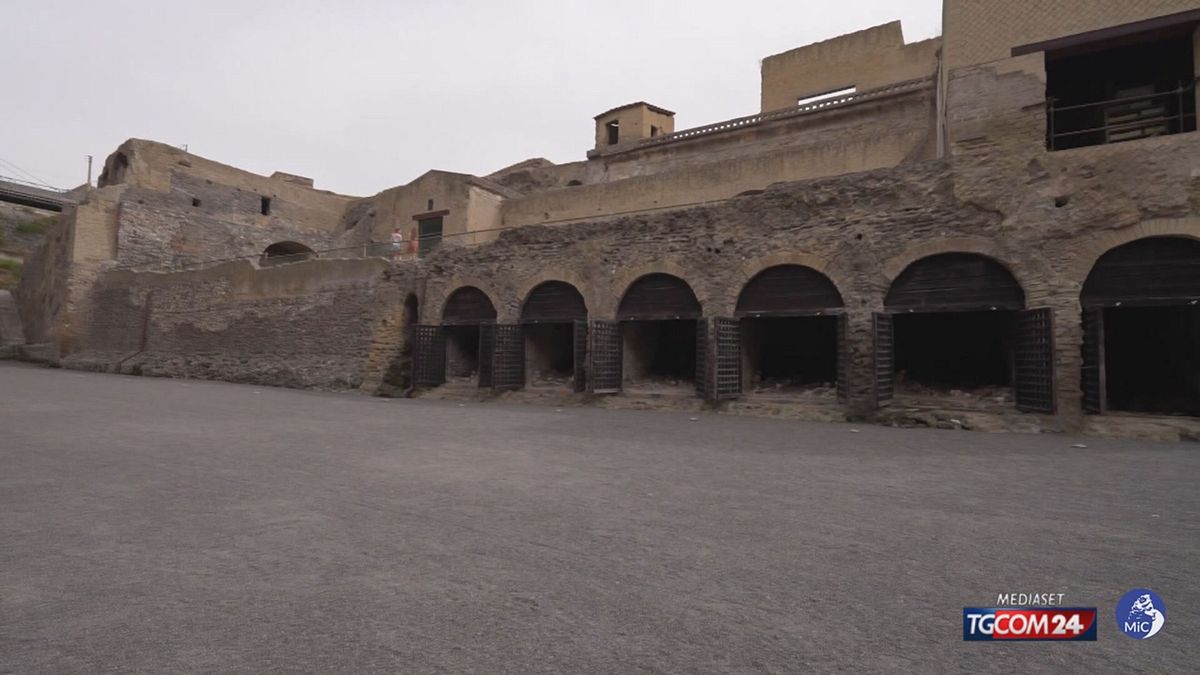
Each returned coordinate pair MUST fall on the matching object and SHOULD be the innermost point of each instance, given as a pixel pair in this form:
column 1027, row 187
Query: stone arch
column 588, row 291
column 624, row 278
column 749, row 269
column 468, row 304
column 955, row 281
column 1156, row 270
column 285, row 252
column 435, row 297
column 658, row 295
column 1091, row 250
column 553, row 300
column 116, row 167
column 786, row 289
column 984, row 247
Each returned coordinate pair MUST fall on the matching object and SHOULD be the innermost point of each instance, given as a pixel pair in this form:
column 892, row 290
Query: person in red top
column 398, row 247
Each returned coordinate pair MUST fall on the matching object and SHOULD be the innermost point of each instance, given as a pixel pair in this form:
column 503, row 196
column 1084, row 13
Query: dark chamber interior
column 1152, row 359
column 790, row 352
column 660, row 350
column 1122, row 71
column 961, row 350
column 549, row 351
column 462, row 351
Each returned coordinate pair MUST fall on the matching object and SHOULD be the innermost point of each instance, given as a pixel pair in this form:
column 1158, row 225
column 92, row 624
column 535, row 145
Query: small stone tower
column 631, row 122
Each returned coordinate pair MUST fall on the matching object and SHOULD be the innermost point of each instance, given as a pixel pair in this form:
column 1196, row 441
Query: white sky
column 366, row 94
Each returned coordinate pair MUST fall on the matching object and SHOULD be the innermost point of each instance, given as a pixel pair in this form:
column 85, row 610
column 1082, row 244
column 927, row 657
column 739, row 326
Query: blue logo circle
column 1141, row 613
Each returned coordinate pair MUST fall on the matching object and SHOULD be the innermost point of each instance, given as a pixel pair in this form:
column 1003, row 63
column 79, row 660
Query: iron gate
column 508, row 363
column 843, row 359
column 429, row 356
column 727, row 370
column 1034, row 360
column 487, row 354
column 604, row 357
column 1092, row 376
column 885, row 359
column 702, row 372
column 580, row 338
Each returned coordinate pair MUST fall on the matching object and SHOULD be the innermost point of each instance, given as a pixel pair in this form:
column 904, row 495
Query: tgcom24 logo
column 1140, row 614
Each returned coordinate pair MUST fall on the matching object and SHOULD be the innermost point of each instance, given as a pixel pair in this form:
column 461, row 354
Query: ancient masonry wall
column 1046, row 216
column 307, row 324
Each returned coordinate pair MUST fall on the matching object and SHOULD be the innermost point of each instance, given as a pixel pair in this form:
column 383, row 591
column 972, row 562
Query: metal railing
column 1119, row 119
column 785, row 113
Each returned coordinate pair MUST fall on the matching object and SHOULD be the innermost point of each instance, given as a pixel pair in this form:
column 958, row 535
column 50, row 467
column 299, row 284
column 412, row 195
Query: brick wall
column 1045, row 216
column 305, row 324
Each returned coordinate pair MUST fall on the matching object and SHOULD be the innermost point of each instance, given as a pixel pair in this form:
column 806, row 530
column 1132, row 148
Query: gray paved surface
column 171, row 526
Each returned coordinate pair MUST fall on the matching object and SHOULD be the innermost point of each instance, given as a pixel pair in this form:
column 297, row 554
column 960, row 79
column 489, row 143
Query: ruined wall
column 1045, row 216
column 198, row 221
column 305, row 324
column 982, row 31
column 838, row 141
column 865, row 59
column 160, row 167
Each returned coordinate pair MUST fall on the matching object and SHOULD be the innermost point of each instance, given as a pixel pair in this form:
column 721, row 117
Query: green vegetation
column 10, row 273
column 36, row 226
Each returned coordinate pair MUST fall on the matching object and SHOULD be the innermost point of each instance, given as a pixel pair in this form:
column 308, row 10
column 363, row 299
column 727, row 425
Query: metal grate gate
column 702, row 374
column 727, row 371
column 429, row 356
column 487, row 354
column 843, row 359
column 1034, row 360
column 508, row 364
column 1092, row 375
column 885, row 359
column 581, row 352
column 604, row 357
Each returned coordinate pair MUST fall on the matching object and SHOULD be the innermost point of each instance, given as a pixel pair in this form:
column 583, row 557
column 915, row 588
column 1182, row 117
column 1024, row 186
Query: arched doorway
column 1141, row 318
column 467, row 318
column 955, row 333
column 554, row 324
column 285, row 252
column 401, row 374
column 661, row 335
column 791, row 329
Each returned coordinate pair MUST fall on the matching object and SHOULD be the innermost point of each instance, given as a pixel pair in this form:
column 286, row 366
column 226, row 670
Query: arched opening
column 466, row 310
column 115, row 169
column 1141, row 349
column 285, row 252
column 789, row 318
column 953, row 318
column 554, row 323
column 659, row 314
column 399, row 375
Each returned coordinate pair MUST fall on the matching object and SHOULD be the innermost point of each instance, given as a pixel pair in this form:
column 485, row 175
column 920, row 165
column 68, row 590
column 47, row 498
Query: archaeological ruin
column 997, row 229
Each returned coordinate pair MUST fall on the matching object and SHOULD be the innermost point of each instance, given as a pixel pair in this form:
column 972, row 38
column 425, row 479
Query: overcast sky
column 366, row 94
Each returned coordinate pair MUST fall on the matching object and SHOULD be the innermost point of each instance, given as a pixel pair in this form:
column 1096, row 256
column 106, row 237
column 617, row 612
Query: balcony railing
column 1124, row 118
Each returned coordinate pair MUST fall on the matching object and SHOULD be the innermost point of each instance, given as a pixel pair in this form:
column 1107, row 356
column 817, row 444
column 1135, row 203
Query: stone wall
column 159, row 167
column 1045, row 216
column 304, row 324
column 864, row 59
column 860, row 137
column 982, row 31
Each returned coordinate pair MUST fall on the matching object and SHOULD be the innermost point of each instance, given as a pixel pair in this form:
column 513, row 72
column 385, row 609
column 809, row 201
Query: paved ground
column 173, row 526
